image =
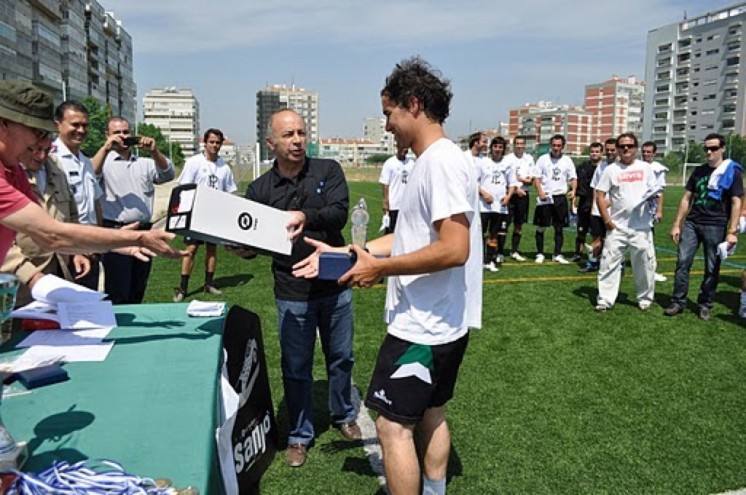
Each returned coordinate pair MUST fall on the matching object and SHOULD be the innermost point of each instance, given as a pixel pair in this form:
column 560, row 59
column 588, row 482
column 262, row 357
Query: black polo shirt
column 320, row 192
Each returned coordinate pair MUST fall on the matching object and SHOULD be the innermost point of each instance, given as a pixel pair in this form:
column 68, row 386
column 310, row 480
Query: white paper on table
column 72, row 353
column 86, row 314
column 28, row 361
column 202, row 308
column 53, row 289
column 37, row 310
column 65, row 337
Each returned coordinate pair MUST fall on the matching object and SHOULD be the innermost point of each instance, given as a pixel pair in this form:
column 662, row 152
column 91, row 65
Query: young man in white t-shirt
column 433, row 265
column 206, row 169
column 394, row 175
column 628, row 187
column 523, row 165
column 648, row 155
column 497, row 182
column 554, row 171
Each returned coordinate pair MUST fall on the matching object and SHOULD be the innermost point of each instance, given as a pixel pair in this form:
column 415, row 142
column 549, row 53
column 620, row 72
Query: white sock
column 433, row 487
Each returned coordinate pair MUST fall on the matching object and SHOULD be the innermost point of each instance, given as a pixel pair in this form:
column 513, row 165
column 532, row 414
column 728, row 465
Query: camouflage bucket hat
column 26, row 104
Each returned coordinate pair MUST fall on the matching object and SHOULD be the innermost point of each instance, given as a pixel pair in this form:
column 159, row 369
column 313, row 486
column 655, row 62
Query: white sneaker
column 540, row 258
column 560, row 259
column 601, row 307
column 644, row 305
column 491, row 267
column 500, row 259
column 517, row 256
column 660, row 278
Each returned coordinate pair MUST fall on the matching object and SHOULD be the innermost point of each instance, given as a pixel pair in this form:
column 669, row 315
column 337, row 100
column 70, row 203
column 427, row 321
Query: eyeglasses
column 626, row 146
column 712, row 149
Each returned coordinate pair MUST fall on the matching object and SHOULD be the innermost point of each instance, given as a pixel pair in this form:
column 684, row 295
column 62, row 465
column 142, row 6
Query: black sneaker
column 576, row 257
column 589, row 268
column 673, row 310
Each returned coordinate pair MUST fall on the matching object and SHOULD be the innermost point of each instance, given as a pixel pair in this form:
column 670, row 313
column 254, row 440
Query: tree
column 377, row 159
column 735, row 148
column 98, row 116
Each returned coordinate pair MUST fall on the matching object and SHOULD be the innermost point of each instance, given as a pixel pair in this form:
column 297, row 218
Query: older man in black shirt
column 316, row 194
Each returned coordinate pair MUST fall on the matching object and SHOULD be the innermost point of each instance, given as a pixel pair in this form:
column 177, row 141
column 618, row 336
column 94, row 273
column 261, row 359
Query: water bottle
column 360, row 218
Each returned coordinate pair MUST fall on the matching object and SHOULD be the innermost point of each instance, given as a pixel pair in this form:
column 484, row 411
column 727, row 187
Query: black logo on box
column 246, row 221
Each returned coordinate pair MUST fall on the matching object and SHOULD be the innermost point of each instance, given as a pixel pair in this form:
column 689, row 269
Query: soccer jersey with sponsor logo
column 438, row 307
column 555, row 173
column 628, row 188
column 495, row 178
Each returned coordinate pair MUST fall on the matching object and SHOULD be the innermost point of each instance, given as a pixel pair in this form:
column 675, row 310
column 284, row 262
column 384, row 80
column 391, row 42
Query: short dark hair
column 75, row 106
column 474, row 138
column 596, row 144
column 115, row 118
column 630, row 135
column 560, row 137
column 610, row 141
column 717, row 136
column 519, row 137
column 216, row 132
column 650, row 143
column 415, row 78
column 498, row 140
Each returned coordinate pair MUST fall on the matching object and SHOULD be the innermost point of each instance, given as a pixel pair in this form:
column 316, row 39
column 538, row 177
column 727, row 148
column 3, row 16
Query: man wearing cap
column 129, row 192
column 71, row 119
column 25, row 118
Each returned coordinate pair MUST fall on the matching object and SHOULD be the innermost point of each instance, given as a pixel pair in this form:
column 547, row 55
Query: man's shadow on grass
column 226, row 282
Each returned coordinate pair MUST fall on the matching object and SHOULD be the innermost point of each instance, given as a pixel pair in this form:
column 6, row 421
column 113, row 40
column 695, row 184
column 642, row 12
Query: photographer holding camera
column 128, row 182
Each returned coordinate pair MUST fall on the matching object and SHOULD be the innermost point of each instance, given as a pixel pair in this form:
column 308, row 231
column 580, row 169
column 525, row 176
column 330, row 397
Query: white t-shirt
column 628, row 188
column 438, row 307
column 523, row 167
column 555, row 173
column 395, row 174
column 495, row 178
column 660, row 171
column 594, row 182
column 199, row 170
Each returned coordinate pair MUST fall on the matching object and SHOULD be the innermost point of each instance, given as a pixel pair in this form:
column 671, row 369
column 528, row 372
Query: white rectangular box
column 222, row 218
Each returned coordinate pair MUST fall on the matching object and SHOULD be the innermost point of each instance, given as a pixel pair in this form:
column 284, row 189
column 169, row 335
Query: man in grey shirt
column 129, row 190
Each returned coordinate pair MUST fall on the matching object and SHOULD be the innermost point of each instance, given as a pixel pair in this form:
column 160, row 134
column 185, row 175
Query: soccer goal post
column 685, row 171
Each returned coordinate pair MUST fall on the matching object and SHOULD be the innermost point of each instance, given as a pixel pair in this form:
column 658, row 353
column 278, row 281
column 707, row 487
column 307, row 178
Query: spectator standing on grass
column 394, row 175
column 648, row 154
column 523, row 165
column 432, row 262
column 708, row 214
column 497, row 182
column 315, row 192
column 627, row 187
column 585, row 198
column 596, row 226
column 554, row 171
column 129, row 194
column 26, row 259
column 206, row 169
column 71, row 119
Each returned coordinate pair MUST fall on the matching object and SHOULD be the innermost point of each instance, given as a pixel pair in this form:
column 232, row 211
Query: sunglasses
column 712, row 149
column 626, row 146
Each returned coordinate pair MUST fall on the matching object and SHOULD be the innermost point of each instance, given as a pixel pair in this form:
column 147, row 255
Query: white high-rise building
column 176, row 113
column 694, row 84
column 278, row 96
column 374, row 130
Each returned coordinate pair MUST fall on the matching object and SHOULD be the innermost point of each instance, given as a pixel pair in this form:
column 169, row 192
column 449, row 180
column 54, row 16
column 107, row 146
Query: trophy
column 334, row 265
column 10, row 450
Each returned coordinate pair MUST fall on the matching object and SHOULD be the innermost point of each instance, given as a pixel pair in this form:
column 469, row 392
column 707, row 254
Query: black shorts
column 556, row 214
column 410, row 378
column 493, row 223
column 597, row 227
column 519, row 209
column 190, row 241
column 393, row 215
column 584, row 221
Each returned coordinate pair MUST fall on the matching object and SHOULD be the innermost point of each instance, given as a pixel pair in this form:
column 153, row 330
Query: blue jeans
column 297, row 323
column 692, row 236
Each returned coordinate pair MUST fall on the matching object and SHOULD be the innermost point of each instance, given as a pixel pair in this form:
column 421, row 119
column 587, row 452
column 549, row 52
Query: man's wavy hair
column 414, row 77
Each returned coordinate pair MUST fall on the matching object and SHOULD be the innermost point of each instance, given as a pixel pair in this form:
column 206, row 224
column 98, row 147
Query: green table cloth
column 151, row 405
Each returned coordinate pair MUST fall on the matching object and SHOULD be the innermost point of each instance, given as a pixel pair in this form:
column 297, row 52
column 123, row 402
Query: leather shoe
column 295, row 455
column 673, row 310
column 351, row 431
column 704, row 314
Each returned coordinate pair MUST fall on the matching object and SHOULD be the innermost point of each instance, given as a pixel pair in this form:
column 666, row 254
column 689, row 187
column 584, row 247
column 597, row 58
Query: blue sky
column 498, row 55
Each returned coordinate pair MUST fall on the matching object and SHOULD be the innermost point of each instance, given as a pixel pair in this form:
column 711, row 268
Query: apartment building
column 539, row 121
column 374, row 130
column 176, row 113
column 694, row 82
column 278, row 96
column 71, row 48
column 616, row 106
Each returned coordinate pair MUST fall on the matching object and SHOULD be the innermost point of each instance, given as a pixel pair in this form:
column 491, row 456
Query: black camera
column 131, row 141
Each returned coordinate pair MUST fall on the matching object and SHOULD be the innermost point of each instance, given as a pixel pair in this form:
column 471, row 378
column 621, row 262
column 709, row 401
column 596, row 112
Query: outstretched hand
column 309, row 267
